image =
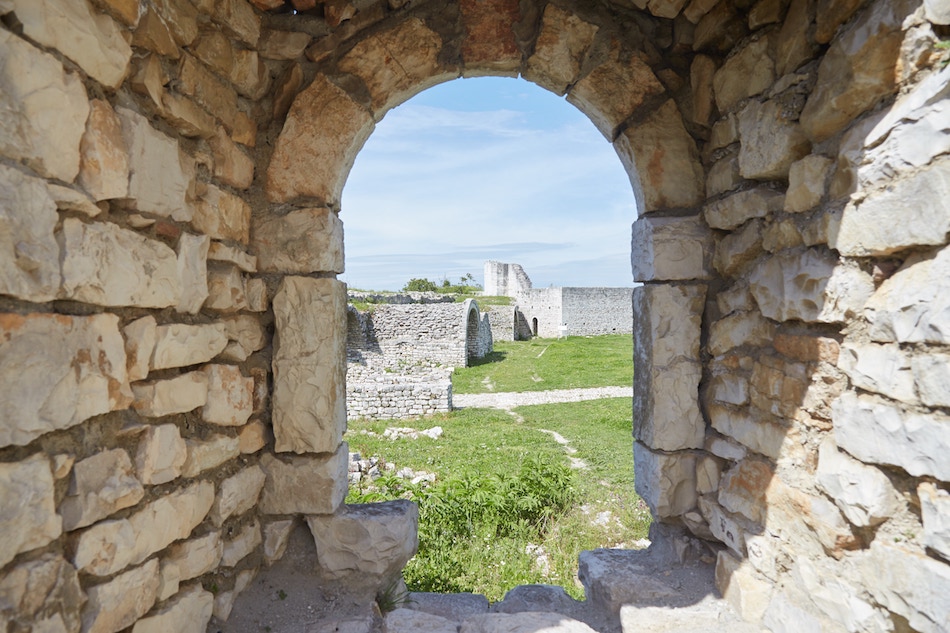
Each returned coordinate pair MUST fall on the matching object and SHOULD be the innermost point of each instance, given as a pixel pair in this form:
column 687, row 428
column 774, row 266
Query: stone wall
column 595, row 311
column 173, row 342
column 505, row 280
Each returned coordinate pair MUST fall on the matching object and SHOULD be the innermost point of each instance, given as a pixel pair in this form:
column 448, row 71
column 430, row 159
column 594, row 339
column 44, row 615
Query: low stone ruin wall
column 382, row 396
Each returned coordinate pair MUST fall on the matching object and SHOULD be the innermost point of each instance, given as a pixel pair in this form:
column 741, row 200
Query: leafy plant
column 420, row 285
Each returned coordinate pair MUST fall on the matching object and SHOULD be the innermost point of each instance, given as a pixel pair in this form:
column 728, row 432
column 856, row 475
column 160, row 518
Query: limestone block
column 735, row 298
column 304, row 484
column 807, row 348
column 154, row 34
column 42, row 586
column 877, row 432
column 613, row 578
column 866, row 53
column 559, row 50
column 794, row 44
column 318, row 144
column 28, row 516
column 665, row 481
column 186, row 116
column 188, row 612
column 912, row 305
column 221, row 252
column 29, row 254
column 58, row 371
column 736, row 251
column 237, row 494
column 158, row 176
column 252, row 437
column 937, row 11
column 231, row 165
column 241, row 546
column 209, row 453
column 100, row 485
column 169, row 580
column 666, row 249
column 666, row 349
column 405, row 620
column 222, row 215
column 139, row 344
column 104, row 166
column 771, row 142
column 303, row 241
column 702, row 76
column 240, row 19
column 708, row 473
column 229, row 395
column 126, row 11
column 116, row 604
column 490, row 45
column 785, row 616
column 723, row 176
column 180, row 345
column 911, row 584
column 831, row 15
column 863, row 493
column 193, row 271
column 723, row 525
column 246, row 331
column 661, row 160
column 181, row 17
column 742, row 587
column 517, row 622
column 932, row 377
column 282, row 45
column 180, row 394
column 256, row 292
column 781, row 235
column 809, row 285
column 224, row 600
column 746, row 73
column 111, row 266
column 161, row 454
column 733, row 211
column 214, row 95
column 935, row 512
column 111, row 546
column 736, row 330
column 612, row 91
column 921, row 204
column 762, row 436
column 743, row 489
column 725, row 448
column 70, row 199
column 309, row 407
column 883, row 369
column 195, row 557
column 779, row 387
column 807, row 183
column 405, row 62
column 45, row 110
column 276, row 535
column 226, row 291
column 729, row 389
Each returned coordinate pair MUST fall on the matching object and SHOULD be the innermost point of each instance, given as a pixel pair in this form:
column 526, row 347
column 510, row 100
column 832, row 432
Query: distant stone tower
column 505, row 280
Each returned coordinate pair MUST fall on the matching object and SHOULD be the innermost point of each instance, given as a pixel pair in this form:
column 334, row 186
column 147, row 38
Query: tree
column 420, row 285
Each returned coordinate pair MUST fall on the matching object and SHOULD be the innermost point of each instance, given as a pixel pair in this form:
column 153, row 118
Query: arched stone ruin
column 172, row 354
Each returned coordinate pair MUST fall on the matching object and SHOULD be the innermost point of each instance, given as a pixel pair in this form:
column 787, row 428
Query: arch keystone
column 490, row 44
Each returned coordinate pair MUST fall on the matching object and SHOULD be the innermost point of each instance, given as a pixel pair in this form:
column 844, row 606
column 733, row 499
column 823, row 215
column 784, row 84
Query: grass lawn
column 543, row 364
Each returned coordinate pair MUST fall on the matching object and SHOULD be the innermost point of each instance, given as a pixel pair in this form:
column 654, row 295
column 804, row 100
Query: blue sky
column 487, row 168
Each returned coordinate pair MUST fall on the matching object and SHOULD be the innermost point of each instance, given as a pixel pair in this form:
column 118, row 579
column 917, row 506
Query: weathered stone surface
column 47, row 585
column 70, row 199
column 189, row 612
column 309, row 406
column 723, row 525
column 741, row 328
column 226, row 292
column 937, row 11
column 807, row 183
column 733, row 211
column 912, row 305
column 193, row 271
column 665, row 481
column 831, row 15
column 246, row 333
column 935, row 513
column 794, row 43
column 180, row 345
column 911, row 584
column 186, row 116
column 662, row 161
column 778, row 386
column 559, row 50
column 809, row 285
column 771, row 142
column 318, row 144
column 224, row 600
column 126, row 11
column 276, row 535
column 883, row 369
column 29, row 254
column 111, row 546
column 406, row 62
column 723, row 176
column 735, row 298
column 781, row 235
column 746, row 73
column 222, row 215
column 807, row 348
column 139, row 344
column 221, row 252
column 858, row 70
column 742, row 587
column 238, row 17
column 104, row 166
column 158, row 181
column 118, row 603
column 45, row 109
column 863, row 493
column 490, row 45
column 256, row 292
column 94, row 42
column 282, row 45
column 252, row 437
column 241, row 546
column 404, row 620
column 111, row 266
column 763, row 437
column 743, row 489
column 205, row 454
column 729, row 389
column 523, row 622
column 932, row 377
column 702, row 73
column 153, row 33
column 214, row 95
column 669, row 249
column 195, row 557
column 304, row 484
column 174, row 395
column 100, row 485
column 169, row 580
column 303, row 241
column 736, row 251
column 877, row 432
column 666, row 334
column 28, row 516
column 58, row 371
column 912, row 212
column 161, row 454
column 610, row 93
column 237, row 494
column 231, row 165
column 229, row 395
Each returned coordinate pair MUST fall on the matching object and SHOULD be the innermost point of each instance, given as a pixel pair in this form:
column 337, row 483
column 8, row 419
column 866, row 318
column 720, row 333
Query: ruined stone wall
column 386, row 396
column 596, row 311
column 505, row 280
column 541, row 308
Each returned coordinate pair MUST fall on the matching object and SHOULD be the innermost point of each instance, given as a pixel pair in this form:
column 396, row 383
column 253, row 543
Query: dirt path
column 510, row 400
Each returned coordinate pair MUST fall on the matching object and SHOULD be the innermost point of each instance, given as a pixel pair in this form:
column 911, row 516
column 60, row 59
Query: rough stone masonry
column 172, row 331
